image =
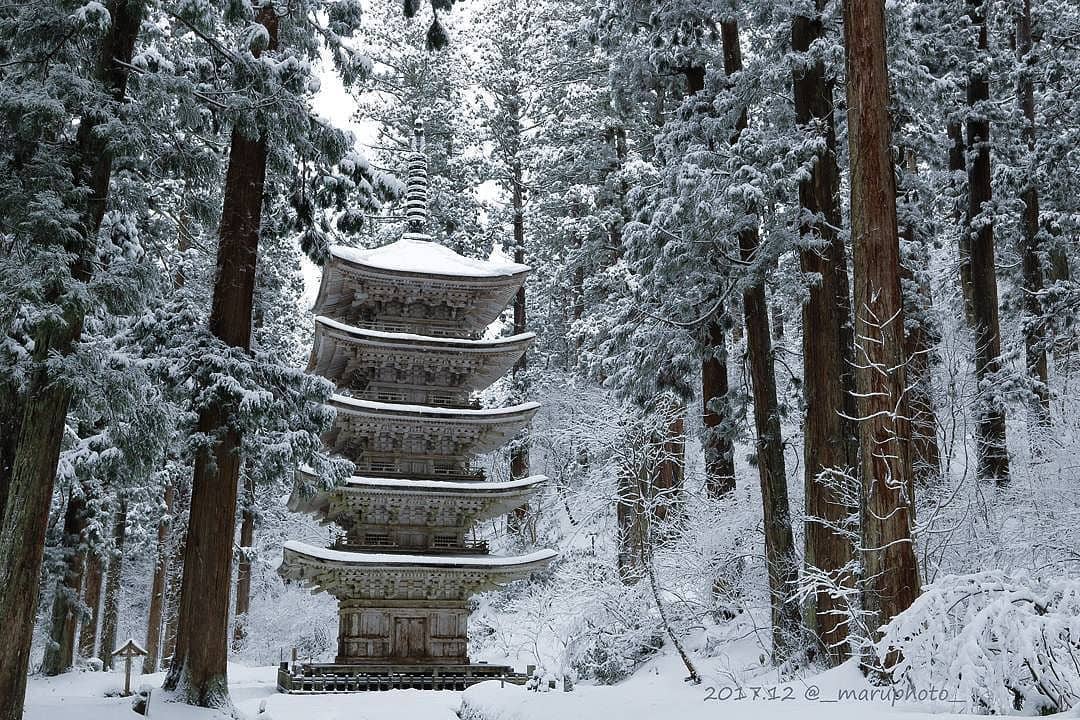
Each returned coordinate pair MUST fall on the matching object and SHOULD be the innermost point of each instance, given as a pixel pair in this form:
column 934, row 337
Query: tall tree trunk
column 1031, row 250
column 777, row 308
column 890, row 576
column 164, row 591
column 668, row 475
column 719, row 453
column 172, row 601
column 113, row 577
column 157, row 585
column 830, row 445
column 175, row 576
column 29, row 490
column 991, row 447
column 519, row 453
column 60, row 650
column 919, row 339
column 198, row 668
column 243, row 570
column 92, row 600
column 11, row 412
column 630, row 519
column 717, row 445
column 779, row 539
column 957, row 159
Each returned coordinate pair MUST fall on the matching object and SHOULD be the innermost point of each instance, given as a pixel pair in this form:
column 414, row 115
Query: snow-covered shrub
column 1009, row 643
column 283, row 617
column 580, row 620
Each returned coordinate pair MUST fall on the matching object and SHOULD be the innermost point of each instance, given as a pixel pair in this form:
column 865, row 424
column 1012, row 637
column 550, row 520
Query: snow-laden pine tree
column 62, row 61
column 510, row 51
column 248, row 405
column 411, row 81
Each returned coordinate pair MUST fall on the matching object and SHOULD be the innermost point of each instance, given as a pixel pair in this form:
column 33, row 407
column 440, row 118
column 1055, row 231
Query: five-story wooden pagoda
column 398, row 331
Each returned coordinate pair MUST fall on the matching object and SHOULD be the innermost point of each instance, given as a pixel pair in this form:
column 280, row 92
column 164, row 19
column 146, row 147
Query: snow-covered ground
column 93, row 696
column 657, row 691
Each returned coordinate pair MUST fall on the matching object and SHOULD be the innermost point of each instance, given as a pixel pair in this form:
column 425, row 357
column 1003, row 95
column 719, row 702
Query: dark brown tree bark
column 719, row 453
column 33, row 470
column 958, row 170
column 92, row 600
column 779, row 539
column 630, row 519
column 919, row 342
column 717, row 445
column 777, row 310
column 1031, row 249
column 60, row 650
column 890, row 576
column 157, row 584
column 243, row 567
column 174, row 579
column 198, row 667
column 113, row 576
column 991, row 447
column 11, row 412
column 164, row 590
column 918, row 348
column 668, row 476
column 830, row 445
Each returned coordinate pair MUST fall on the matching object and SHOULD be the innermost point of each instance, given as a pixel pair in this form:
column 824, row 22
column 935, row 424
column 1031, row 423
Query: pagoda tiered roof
column 398, row 331
column 348, row 355
column 460, row 431
column 417, row 254
column 405, row 501
column 400, row 286
column 390, row 577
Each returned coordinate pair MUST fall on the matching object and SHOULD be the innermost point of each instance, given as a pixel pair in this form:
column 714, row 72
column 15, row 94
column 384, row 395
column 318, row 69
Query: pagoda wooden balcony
column 429, row 328
column 387, row 545
column 391, row 470
column 432, row 399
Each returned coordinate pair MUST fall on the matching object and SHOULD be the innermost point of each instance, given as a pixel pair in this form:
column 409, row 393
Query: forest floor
column 656, row 691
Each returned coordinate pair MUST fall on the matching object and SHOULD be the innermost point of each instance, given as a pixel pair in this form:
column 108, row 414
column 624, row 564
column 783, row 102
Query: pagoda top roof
column 480, row 414
column 417, row 253
column 390, row 560
column 398, row 338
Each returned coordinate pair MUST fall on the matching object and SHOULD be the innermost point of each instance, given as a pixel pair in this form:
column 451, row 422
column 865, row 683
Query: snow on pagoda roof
column 416, row 253
column 422, row 410
column 365, row 559
column 446, row 485
column 462, row 343
column 470, row 486
column 453, row 501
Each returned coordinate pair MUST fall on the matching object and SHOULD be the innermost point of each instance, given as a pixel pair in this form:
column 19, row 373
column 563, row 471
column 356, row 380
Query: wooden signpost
column 128, row 650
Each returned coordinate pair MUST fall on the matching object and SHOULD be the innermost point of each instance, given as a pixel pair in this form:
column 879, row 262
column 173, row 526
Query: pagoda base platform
column 308, row 678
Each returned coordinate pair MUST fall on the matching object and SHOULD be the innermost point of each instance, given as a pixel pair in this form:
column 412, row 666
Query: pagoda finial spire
column 416, row 190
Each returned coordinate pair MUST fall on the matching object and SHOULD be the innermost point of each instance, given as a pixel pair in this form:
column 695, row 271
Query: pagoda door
column 410, row 638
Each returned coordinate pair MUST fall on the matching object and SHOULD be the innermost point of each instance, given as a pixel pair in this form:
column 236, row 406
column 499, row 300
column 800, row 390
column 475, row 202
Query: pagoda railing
column 390, row 470
column 445, row 401
column 469, row 547
column 308, row 678
column 412, row 328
